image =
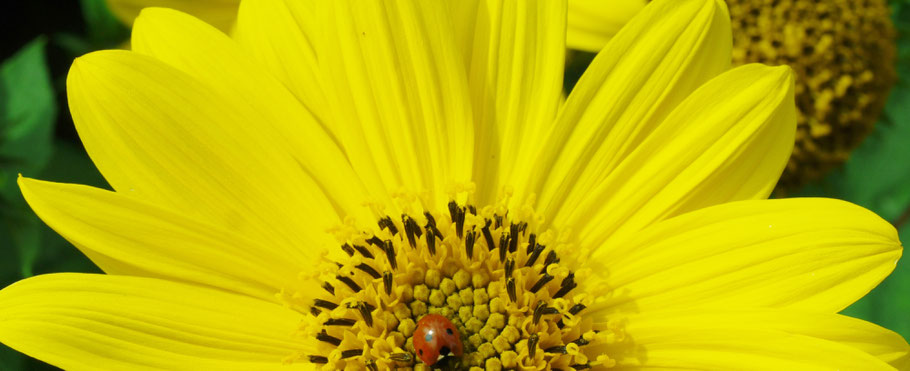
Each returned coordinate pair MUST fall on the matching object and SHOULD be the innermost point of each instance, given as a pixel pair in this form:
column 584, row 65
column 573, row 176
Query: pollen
column 843, row 54
column 513, row 300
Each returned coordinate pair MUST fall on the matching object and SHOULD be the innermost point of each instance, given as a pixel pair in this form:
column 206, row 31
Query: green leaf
column 104, row 29
column 70, row 164
column 28, row 111
column 11, row 360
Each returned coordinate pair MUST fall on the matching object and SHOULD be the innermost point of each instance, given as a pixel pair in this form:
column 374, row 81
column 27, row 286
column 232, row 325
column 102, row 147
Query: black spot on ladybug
column 449, row 331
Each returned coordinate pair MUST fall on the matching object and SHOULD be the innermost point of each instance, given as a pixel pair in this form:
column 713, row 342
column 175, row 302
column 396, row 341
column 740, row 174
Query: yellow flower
column 302, row 195
column 842, row 52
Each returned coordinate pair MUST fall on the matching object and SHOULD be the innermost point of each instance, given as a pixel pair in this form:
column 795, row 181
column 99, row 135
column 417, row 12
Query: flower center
column 843, row 54
column 499, row 283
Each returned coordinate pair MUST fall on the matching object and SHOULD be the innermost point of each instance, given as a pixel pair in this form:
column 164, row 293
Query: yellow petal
column 592, row 23
column 802, row 254
column 124, row 235
column 671, row 48
column 214, row 59
column 398, row 94
column 707, row 152
column 759, row 339
column 514, row 54
column 160, row 135
column 278, row 34
column 101, row 322
column 219, row 13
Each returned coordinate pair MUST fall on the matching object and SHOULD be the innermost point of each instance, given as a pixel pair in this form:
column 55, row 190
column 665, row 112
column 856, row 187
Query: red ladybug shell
column 436, row 335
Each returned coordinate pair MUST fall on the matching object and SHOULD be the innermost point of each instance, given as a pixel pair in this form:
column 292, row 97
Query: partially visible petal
column 592, row 23
column 279, row 34
column 160, row 135
column 218, row 13
column 802, row 254
column 399, row 96
column 670, row 49
column 124, row 235
column 707, row 152
column 757, row 339
column 102, row 322
column 514, row 54
column 214, row 59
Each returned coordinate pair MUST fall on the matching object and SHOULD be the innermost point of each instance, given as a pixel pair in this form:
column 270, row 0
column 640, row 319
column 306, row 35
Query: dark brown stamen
column 348, row 249
column 318, row 359
column 351, row 353
column 409, row 229
column 538, row 311
column 532, row 243
column 453, row 210
column 469, row 243
column 390, row 253
column 532, row 345
column 567, row 285
column 371, row 365
column 375, row 241
column 363, row 251
column 431, row 241
column 340, row 322
column 510, row 287
column 561, row 349
column 580, row 341
column 431, row 229
column 457, row 214
column 541, row 282
column 325, row 337
column 366, row 312
column 534, row 255
column 541, row 310
column 387, row 282
column 328, row 287
column 366, row 268
column 325, row 304
column 387, row 222
column 510, row 267
column 430, row 219
column 400, row 357
column 348, row 281
column 577, row 308
column 315, row 311
column 488, row 236
column 503, row 245
column 513, row 240
column 551, row 258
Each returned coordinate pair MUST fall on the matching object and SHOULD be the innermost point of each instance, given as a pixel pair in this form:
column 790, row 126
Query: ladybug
column 435, row 338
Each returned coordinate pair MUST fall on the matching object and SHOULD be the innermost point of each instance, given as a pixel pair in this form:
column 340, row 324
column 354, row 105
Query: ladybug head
column 436, row 337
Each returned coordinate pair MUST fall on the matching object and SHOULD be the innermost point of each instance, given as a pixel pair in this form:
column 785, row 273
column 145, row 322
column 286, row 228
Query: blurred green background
column 37, row 139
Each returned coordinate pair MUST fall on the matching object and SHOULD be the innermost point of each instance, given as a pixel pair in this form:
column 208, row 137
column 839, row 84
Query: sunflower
column 303, row 195
column 843, row 54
